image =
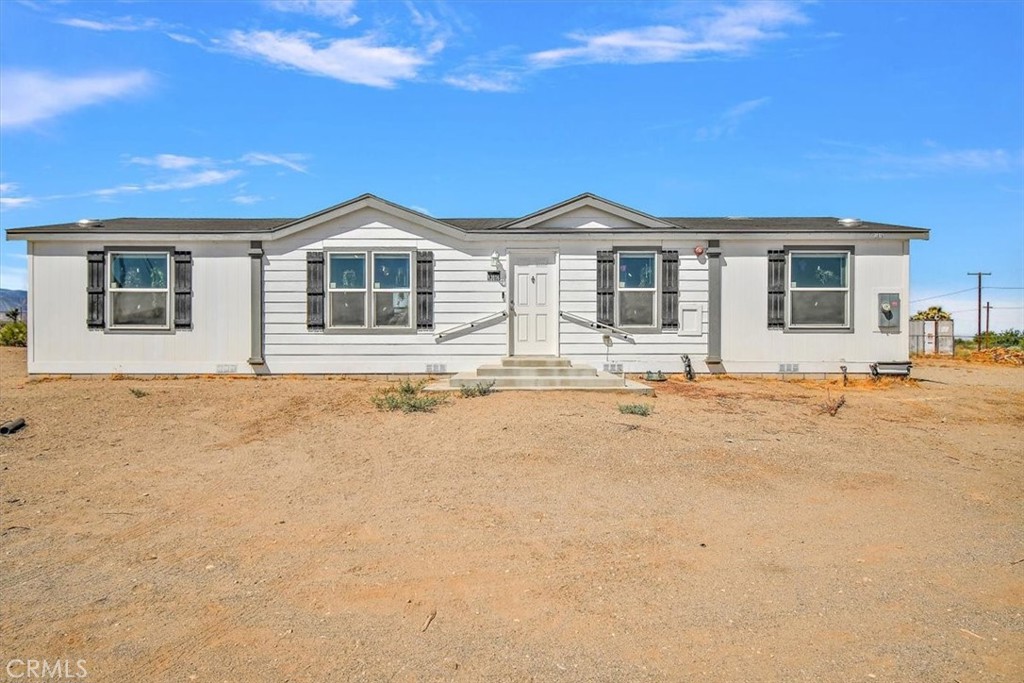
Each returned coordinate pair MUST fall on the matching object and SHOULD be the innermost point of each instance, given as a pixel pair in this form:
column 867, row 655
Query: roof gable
column 364, row 201
column 589, row 211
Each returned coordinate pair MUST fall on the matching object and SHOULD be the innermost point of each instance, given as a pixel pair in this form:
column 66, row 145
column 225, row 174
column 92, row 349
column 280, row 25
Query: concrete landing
column 540, row 373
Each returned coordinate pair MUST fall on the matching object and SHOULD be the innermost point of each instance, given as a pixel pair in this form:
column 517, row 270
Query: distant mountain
column 13, row 298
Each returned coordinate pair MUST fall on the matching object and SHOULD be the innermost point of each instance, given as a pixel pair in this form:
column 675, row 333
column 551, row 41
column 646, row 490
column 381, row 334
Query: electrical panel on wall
column 889, row 312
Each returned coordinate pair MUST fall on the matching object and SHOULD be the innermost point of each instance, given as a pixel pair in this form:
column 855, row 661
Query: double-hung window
column 139, row 285
column 637, row 289
column 370, row 290
column 819, row 289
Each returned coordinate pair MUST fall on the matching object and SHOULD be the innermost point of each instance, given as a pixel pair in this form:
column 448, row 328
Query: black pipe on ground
column 12, row 426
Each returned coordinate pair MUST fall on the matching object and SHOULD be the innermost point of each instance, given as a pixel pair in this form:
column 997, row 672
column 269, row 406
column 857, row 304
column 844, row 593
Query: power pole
column 988, row 315
column 979, row 305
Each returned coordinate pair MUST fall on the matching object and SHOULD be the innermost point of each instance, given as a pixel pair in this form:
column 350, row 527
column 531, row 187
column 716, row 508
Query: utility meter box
column 889, row 312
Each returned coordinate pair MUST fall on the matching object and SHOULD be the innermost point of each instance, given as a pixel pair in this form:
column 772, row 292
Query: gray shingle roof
column 161, row 225
column 267, row 226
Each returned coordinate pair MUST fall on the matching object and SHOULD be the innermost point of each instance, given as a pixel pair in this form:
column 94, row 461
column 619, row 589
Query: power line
column 1000, row 308
column 980, row 275
column 960, row 291
column 939, row 296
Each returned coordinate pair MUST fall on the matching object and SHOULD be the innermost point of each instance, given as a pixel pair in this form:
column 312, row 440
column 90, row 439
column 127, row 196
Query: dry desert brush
column 641, row 409
column 408, row 397
column 478, row 389
column 832, row 405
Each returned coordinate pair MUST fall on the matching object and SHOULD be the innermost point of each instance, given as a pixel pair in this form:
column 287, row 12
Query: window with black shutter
column 315, row 290
column 425, row 290
column 669, row 290
column 96, row 289
column 606, row 287
column 776, row 289
column 183, row 290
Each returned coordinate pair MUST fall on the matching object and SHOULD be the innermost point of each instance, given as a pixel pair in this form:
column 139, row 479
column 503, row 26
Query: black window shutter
column 315, row 290
column 183, row 290
column 96, row 288
column 606, row 287
column 670, row 290
column 776, row 289
column 424, row 290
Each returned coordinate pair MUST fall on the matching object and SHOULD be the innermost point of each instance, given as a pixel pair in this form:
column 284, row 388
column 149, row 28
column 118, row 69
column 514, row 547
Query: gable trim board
column 254, row 302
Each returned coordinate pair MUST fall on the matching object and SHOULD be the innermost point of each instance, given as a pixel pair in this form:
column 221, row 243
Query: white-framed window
column 140, row 290
column 370, row 290
column 818, row 289
column 636, row 289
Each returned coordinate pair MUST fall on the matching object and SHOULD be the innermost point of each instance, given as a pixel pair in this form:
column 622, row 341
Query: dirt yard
column 285, row 530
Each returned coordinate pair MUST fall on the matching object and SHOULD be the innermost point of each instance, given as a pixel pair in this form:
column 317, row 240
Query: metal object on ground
column 688, row 368
column 12, row 426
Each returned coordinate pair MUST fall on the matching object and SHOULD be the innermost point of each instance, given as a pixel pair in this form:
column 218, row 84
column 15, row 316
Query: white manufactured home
column 368, row 286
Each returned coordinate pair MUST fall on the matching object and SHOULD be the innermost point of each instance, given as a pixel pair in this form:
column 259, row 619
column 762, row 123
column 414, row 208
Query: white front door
column 534, row 290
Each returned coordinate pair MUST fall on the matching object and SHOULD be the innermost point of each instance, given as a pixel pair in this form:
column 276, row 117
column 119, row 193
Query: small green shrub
column 478, row 389
column 138, row 393
column 641, row 409
column 409, row 388
column 14, row 333
column 406, row 397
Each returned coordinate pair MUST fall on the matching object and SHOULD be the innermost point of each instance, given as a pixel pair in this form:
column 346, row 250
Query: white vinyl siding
column 655, row 349
column 749, row 346
column 61, row 342
column 461, row 295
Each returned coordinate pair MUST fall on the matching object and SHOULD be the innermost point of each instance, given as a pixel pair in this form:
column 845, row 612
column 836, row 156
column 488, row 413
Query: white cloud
column 338, row 11
column 246, row 199
column 499, row 81
column 729, row 30
column 170, row 161
column 885, row 164
column 289, row 161
column 9, row 202
column 183, row 181
column 29, row 97
column 15, row 202
column 197, row 179
column 119, row 24
column 730, row 120
column 182, row 38
column 352, row 60
column 969, row 159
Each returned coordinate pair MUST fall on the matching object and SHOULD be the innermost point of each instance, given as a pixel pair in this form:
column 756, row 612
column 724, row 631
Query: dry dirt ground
column 211, row 529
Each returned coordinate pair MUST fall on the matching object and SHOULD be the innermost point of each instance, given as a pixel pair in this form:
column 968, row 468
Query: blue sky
column 908, row 113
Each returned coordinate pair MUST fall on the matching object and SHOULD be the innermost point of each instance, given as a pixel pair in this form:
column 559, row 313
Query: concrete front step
column 536, row 362
column 597, row 381
column 538, row 371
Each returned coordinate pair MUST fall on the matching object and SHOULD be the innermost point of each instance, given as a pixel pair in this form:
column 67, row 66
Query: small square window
column 139, row 290
column 637, row 285
column 819, row 291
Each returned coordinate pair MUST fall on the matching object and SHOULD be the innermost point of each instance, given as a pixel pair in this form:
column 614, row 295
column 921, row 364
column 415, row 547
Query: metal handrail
column 466, row 328
column 598, row 327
